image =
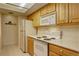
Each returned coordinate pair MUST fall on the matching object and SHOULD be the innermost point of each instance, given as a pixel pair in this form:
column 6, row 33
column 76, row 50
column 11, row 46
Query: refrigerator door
column 29, row 30
column 22, row 35
column 26, row 29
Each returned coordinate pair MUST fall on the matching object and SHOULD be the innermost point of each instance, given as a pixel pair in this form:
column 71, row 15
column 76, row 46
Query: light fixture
column 22, row 4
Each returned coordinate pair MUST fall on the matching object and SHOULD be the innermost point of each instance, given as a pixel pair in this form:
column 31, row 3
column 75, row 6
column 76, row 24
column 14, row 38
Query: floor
column 12, row 50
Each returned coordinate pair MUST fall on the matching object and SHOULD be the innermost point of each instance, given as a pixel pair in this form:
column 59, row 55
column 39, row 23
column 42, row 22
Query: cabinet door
column 52, row 54
column 30, row 46
column 67, row 52
column 30, row 17
column 43, row 10
column 36, row 18
column 51, row 7
column 55, row 49
column 62, row 13
column 74, row 12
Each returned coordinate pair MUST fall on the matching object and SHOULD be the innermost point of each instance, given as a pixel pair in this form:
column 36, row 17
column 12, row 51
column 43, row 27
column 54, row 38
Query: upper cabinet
column 65, row 13
column 43, row 10
column 73, row 12
column 51, row 7
column 36, row 19
column 62, row 13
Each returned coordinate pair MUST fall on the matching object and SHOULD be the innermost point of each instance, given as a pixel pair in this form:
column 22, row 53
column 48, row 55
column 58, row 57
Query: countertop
column 53, row 41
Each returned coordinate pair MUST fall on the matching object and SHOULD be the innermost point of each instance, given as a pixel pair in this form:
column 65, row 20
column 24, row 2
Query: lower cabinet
column 52, row 54
column 30, row 46
column 55, row 50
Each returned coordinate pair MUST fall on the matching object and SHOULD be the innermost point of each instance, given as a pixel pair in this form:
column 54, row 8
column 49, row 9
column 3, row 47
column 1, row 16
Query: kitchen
column 45, row 29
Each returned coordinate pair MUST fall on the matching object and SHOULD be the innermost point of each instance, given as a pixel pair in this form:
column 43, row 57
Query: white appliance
column 40, row 48
column 48, row 19
column 29, row 29
column 26, row 29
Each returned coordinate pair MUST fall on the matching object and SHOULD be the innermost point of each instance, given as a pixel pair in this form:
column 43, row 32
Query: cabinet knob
column 61, row 50
column 70, row 21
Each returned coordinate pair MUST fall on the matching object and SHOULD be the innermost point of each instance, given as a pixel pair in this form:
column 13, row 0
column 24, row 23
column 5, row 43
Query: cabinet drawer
column 74, row 21
column 55, row 49
column 67, row 52
column 52, row 54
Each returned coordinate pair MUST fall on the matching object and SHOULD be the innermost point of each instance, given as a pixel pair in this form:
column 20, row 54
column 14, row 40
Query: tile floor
column 12, row 50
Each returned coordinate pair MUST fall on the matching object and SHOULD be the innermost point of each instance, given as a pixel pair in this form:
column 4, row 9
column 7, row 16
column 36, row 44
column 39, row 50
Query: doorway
column 9, row 30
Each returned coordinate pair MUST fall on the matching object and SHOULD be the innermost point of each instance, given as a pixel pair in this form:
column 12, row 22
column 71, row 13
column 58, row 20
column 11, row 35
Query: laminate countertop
column 58, row 42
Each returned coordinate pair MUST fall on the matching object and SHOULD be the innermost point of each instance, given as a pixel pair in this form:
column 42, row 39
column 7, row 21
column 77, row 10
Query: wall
column 70, row 38
column 52, row 31
column 0, row 33
column 9, row 32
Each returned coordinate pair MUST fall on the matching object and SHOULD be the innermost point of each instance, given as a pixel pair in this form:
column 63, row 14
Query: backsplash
column 52, row 31
column 70, row 35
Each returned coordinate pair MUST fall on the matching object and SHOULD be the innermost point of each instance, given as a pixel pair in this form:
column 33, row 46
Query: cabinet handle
column 61, row 50
column 70, row 21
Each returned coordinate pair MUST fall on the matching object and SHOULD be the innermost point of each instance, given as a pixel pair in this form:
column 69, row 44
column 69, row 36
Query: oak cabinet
column 73, row 12
column 55, row 50
column 30, row 17
column 67, row 52
column 36, row 19
column 52, row 54
column 30, row 46
column 65, row 13
column 51, row 7
column 62, row 13
column 43, row 10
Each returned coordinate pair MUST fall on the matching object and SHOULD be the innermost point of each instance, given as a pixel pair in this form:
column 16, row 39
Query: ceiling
column 20, row 8
column 22, row 5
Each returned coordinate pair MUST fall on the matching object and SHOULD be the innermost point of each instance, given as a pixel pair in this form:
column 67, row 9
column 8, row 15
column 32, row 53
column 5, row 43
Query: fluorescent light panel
column 22, row 4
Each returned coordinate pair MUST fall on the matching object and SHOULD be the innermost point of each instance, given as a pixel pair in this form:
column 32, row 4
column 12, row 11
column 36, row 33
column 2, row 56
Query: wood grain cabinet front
column 36, row 19
column 62, row 13
column 73, row 12
column 52, row 54
column 55, row 50
column 67, row 52
column 43, row 10
column 51, row 7
column 30, row 46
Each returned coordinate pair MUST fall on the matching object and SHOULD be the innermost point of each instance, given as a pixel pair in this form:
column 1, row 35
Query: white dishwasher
column 40, row 48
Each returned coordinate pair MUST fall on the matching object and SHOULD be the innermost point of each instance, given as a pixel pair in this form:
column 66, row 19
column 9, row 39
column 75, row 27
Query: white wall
column 70, row 38
column 9, row 32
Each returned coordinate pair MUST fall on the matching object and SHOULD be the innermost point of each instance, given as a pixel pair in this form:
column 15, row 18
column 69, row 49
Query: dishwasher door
column 40, row 48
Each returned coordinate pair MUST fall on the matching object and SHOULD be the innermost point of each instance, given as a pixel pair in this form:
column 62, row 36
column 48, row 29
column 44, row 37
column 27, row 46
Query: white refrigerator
column 26, row 29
